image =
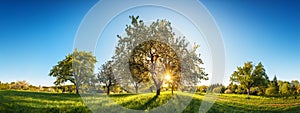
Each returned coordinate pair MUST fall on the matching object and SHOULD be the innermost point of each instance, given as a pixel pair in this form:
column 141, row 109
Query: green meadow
column 41, row 102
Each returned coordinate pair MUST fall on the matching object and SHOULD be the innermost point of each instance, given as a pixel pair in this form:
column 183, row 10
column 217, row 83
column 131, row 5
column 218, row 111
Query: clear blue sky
column 35, row 35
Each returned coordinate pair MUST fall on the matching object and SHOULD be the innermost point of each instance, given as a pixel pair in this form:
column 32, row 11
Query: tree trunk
column 77, row 89
column 70, row 89
column 248, row 91
column 136, row 90
column 108, row 90
column 76, row 84
column 172, row 92
column 158, row 91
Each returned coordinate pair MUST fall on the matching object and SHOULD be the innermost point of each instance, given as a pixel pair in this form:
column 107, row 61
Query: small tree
column 285, row 89
column 248, row 76
column 106, row 76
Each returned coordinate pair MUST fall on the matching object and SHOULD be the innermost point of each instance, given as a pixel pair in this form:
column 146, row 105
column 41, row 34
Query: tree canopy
column 153, row 52
column 106, row 76
column 78, row 68
column 249, row 76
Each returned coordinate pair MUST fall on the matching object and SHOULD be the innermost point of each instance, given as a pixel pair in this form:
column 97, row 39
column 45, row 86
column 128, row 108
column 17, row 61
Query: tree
column 248, row 77
column 275, row 83
column 106, row 76
column 154, row 52
column 77, row 68
column 295, row 88
column 285, row 89
column 273, row 88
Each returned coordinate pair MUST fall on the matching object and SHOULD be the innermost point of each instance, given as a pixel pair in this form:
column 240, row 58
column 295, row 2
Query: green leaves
column 106, row 75
column 77, row 68
column 248, row 77
column 152, row 51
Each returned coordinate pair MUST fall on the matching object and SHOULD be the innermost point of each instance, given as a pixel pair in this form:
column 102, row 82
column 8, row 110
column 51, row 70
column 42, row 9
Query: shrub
column 228, row 91
column 260, row 93
column 219, row 89
column 271, row 91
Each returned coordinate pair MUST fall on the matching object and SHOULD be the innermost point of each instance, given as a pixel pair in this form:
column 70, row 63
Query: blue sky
column 35, row 35
column 266, row 31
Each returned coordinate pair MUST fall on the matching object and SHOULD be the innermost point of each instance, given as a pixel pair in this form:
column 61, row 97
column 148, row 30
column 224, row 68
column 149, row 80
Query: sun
column 167, row 77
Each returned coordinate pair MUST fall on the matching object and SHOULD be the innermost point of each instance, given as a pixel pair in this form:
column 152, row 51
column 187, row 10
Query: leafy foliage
column 248, row 76
column 152, row 52
column 271, row 91
column 106, row 76
column 78, row 68
column 285, row 89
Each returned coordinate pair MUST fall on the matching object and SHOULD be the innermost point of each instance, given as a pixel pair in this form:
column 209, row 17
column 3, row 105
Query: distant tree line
column 18, row 85
column 23, row 85
column 253, row 80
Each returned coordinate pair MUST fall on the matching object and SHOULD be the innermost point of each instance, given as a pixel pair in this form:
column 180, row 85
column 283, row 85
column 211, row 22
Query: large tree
column 249, row 76
column 106, row 76
column 154, row 52
column 76, row 68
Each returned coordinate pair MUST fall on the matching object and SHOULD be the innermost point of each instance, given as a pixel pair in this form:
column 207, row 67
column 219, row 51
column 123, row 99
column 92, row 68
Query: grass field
column 35, row 102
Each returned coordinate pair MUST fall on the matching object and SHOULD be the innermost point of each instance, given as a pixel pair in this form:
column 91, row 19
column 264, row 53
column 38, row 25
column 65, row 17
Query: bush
column 219, row 89
column 260, row 93
column 271, row 91
column 228, row 91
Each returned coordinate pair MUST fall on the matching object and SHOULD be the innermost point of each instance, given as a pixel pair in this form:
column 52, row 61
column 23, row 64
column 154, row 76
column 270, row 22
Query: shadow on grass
column 36, row 102
column 137, row 105
column 122, row 95
column 41, row 95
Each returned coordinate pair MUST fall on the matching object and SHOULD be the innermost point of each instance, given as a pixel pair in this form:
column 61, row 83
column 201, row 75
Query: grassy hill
column 33, row 102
